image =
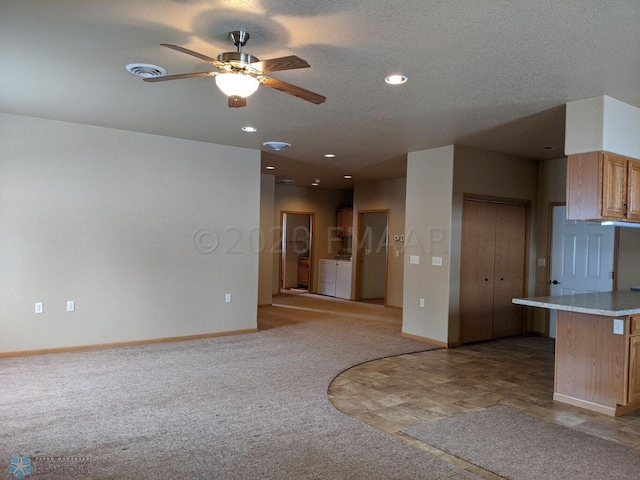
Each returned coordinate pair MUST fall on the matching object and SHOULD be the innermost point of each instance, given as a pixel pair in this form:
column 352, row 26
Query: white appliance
column 327, row 277
column 334, row 278
column 343, row 279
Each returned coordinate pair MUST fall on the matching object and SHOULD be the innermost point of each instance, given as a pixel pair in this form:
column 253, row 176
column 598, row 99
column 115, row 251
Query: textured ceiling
column 491, row 74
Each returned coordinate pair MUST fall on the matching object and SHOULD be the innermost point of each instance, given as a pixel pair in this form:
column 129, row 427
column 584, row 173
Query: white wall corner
column 584, row 126
column 621, row 128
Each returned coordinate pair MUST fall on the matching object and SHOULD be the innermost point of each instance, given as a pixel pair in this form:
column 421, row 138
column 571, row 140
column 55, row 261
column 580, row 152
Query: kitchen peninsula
column 597, row 362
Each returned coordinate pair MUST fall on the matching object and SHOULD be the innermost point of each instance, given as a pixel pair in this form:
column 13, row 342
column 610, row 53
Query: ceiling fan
column 240, row 74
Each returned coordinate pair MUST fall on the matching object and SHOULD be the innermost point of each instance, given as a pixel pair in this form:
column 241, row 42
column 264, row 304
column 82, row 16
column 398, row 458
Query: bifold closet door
column 511, row 229
column 492, row 269
column 477, row 276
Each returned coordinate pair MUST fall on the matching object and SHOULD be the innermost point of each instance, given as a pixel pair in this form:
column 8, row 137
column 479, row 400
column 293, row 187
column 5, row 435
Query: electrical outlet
column 397, row 253
column 414, row 260
column 618, row 326
column 39, row 307
column 437, row 261
column 227, row 298
column 71, row 306
column 542, row 262
column 422, row 303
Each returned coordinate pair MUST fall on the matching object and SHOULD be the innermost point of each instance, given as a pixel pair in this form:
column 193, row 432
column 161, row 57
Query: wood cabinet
column 344, row 221
column 596, row 368
column 303, row 272
column 603, row 186
column 492, row 273
column 633, row 393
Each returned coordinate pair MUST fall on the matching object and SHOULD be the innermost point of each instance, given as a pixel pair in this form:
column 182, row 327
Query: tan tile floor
column 395, row 393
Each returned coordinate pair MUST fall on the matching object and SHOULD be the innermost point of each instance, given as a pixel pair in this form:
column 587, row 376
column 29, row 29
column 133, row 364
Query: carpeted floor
column 250, row 406
column 515, row 445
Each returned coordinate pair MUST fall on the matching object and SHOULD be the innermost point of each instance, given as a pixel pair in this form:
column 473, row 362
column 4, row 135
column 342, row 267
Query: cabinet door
column 633, row 190
column 634, row 369
column 509, row 269
column 347, row 221
column 614, row 186
column 477, row 273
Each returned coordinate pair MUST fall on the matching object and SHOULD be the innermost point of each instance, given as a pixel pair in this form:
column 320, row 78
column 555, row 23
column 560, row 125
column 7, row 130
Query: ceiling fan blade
column 179, row 76
column 193, row 54
column 293, row 90
column 237, row 102
column 278, row 64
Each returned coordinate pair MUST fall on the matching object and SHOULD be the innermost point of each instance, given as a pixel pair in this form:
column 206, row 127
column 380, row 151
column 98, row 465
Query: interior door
column 582, row 255
column 477, row 273
column 510, row 260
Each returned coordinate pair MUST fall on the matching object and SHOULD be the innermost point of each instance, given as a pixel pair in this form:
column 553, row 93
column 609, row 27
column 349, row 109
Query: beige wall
column 385, row 195
column 427, row 234
column 492, row 174
column 628, row 270
column 552, row 187
column 324, row 204
column 268, row 233
column 124, row 224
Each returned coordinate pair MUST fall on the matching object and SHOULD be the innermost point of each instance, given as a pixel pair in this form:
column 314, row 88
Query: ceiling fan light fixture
column 237, row 84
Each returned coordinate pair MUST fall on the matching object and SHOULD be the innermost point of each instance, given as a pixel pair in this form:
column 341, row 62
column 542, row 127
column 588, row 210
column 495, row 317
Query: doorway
column 581, row 258
column 373, row 249
column 296, row 252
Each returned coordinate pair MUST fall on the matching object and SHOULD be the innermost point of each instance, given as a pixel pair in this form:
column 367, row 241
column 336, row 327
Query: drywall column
column 427, row 237
column 268, row 238
column 602, row 124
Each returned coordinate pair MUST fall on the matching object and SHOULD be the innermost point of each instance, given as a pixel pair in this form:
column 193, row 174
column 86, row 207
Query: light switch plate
column 437, row 261
column 71, row 306
column 618, row 326
column 414, row 260
column 542, row 262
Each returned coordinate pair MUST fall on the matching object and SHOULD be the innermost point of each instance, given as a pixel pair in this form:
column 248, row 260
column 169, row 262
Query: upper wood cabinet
column 603, row 186
column 344, row 221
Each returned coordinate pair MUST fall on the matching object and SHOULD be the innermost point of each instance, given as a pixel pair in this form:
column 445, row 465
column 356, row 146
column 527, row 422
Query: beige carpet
column 519, row 447
column 244, row 407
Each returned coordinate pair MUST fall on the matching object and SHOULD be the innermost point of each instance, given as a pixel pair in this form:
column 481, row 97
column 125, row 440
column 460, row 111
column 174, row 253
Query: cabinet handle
column 626, row 209
column 502, row 279
column 486, row 279
column 555, row 282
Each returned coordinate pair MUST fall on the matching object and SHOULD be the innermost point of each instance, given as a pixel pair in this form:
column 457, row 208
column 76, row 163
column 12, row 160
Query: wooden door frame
column 312, row 226
column 358, row 256
column 527, row 244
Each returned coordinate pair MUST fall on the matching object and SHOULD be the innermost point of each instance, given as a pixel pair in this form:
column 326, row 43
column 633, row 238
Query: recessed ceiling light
column 146, row 70
column 249, row 129
column 548, row 147
column 286, row 181
column 348, row 177
column 396, row 79
column 276, row 145
column 270, row 167
column 314, row 184
column 330, row 155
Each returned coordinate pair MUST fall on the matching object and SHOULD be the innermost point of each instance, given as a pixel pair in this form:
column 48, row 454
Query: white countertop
column 611, row 304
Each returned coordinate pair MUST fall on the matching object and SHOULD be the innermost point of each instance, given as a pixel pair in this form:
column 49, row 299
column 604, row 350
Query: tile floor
column 395, row 393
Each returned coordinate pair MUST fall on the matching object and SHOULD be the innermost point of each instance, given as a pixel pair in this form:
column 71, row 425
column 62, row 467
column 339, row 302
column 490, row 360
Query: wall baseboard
column 102, row 346
column 425, row 340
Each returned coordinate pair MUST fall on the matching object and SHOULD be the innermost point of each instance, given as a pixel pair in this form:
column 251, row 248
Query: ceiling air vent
column 146, row 70
column 276, row 145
